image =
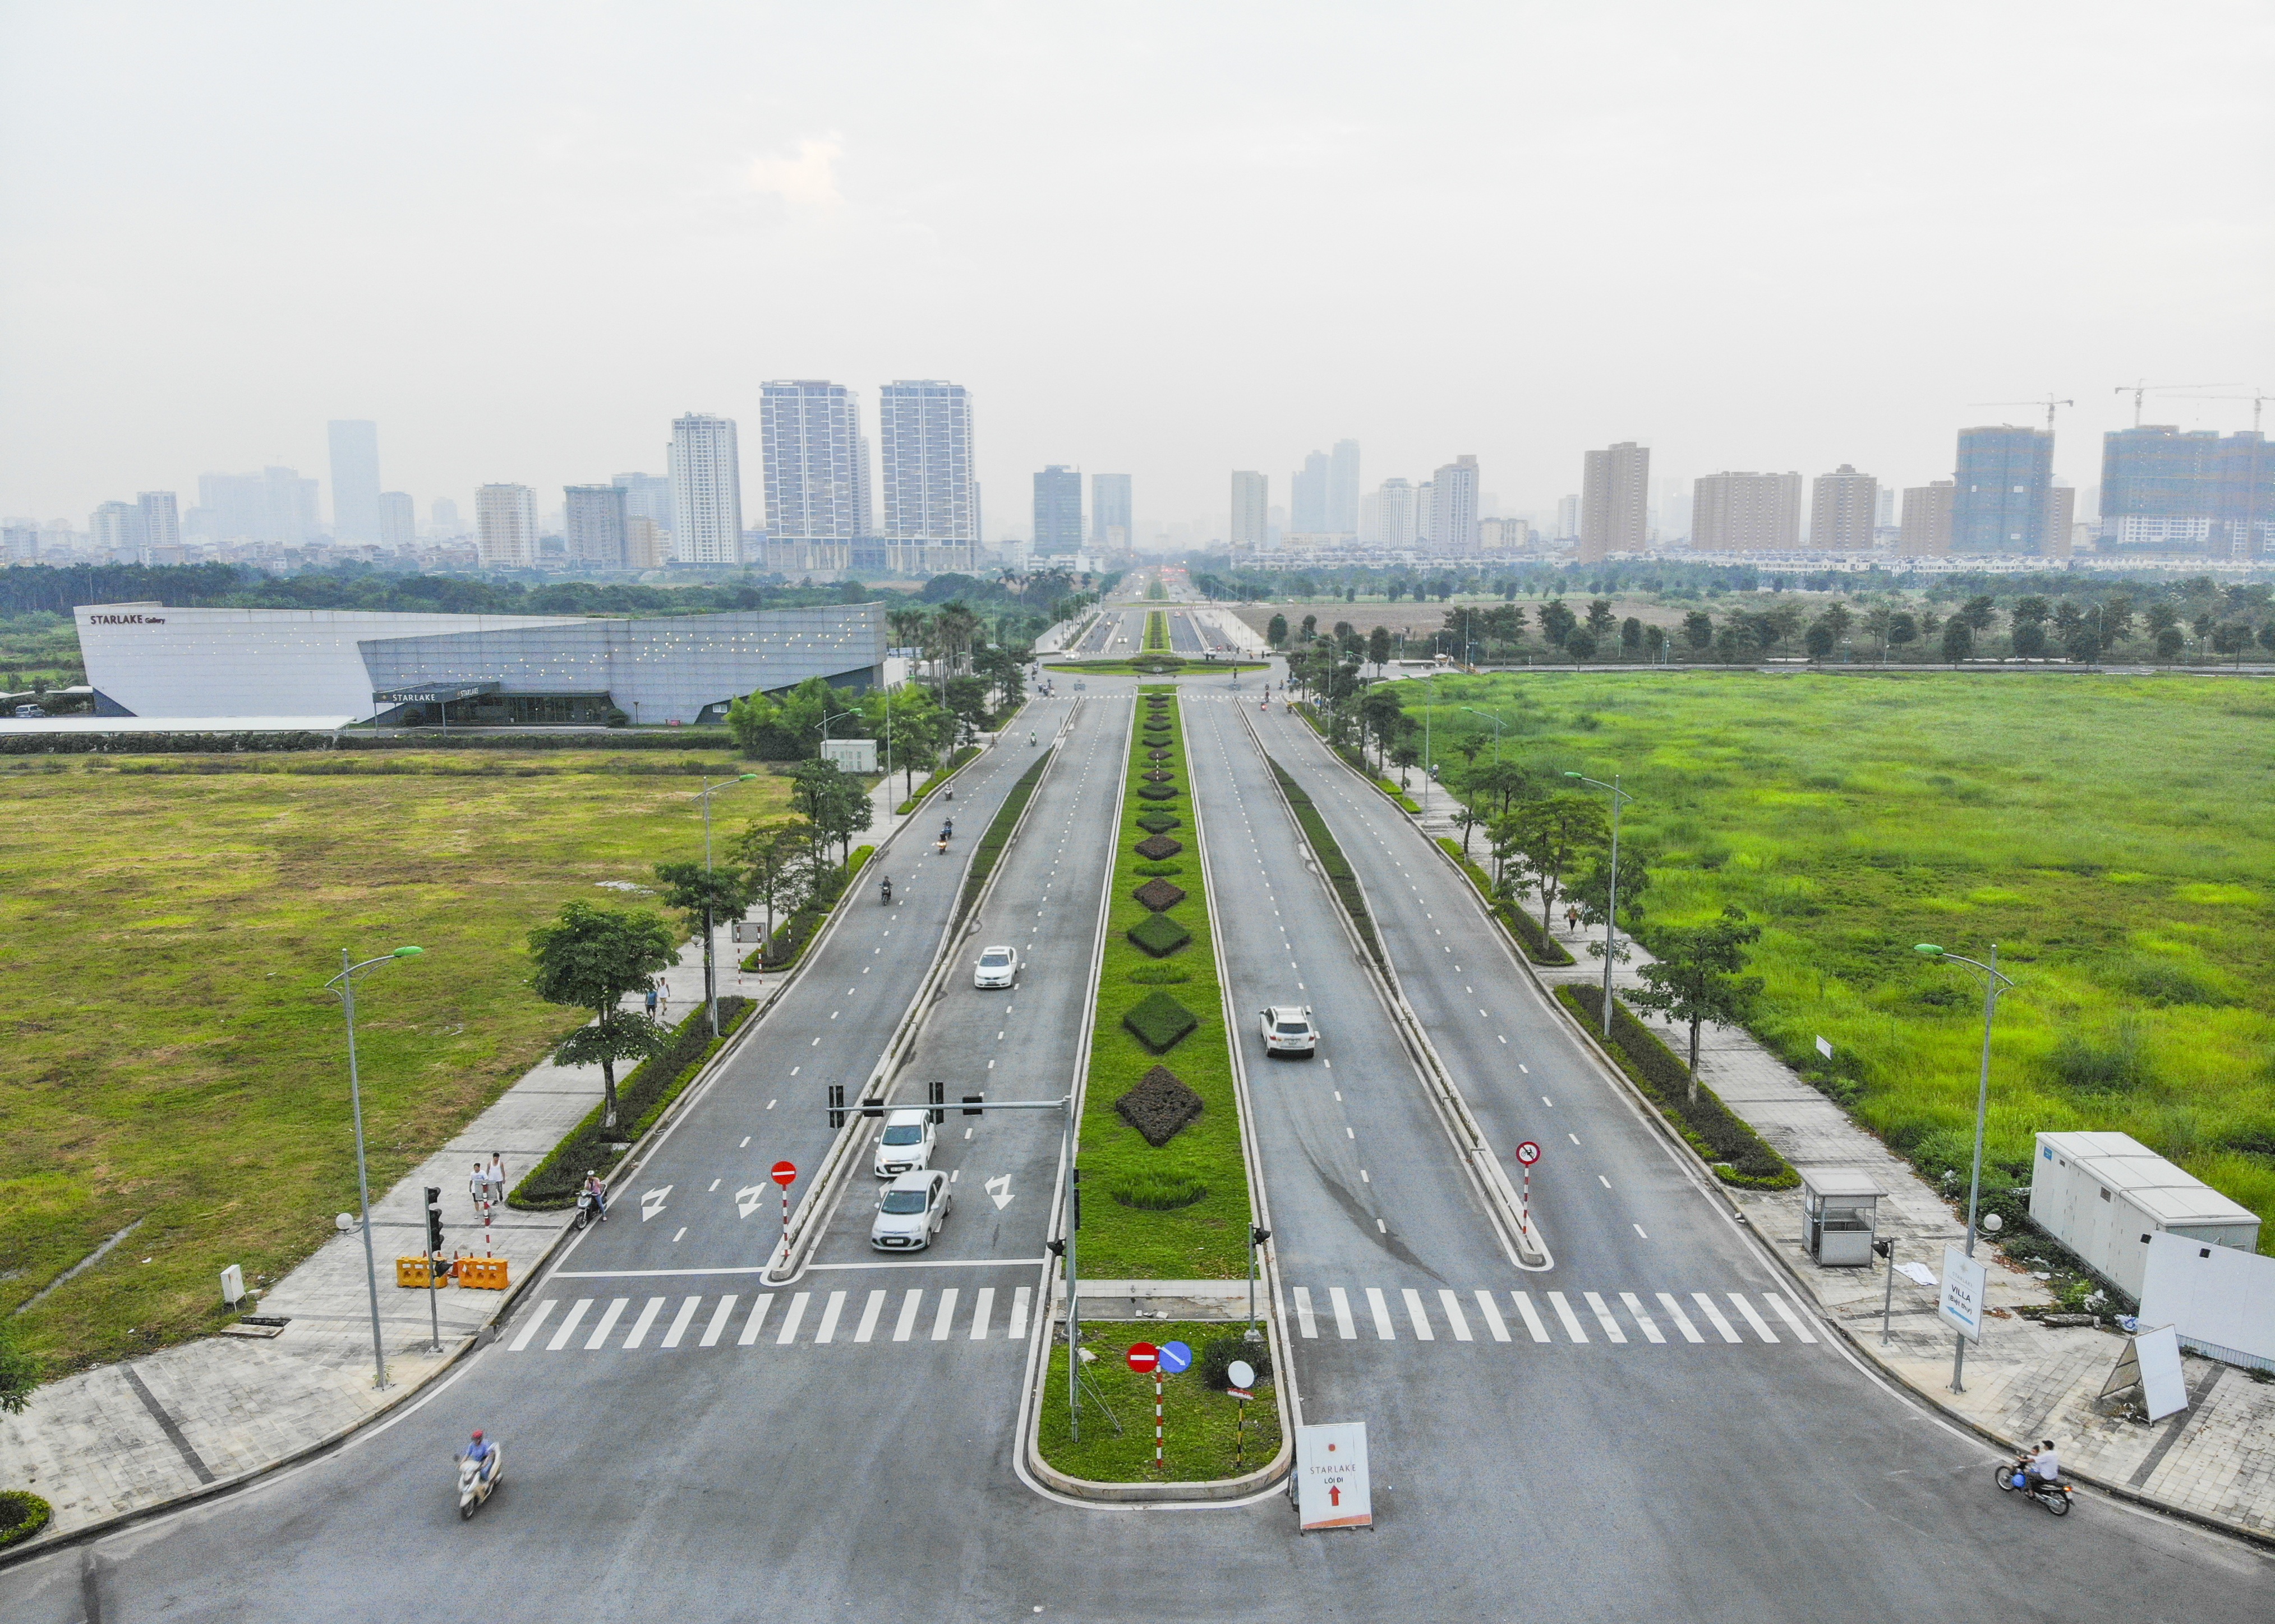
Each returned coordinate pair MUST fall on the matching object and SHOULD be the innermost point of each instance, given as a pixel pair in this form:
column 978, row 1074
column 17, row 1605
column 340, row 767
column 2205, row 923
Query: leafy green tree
column 1903, row 630
column 1377, row 647
column 2169, row 642
column 19, row 1373
column 703, row 897
column 1539, row 841
column 1958, row 639
column 1557, row 622
column 831, row 802
column 911, row 721
column 1311, row 626
column 1276, row 632
column 1698, row 630
column 1819, row 639
column 2116, row 621
column 2231, row 637
column 590, row 958
column 1590, row 885
column 2029, row 639
column 1696, row 979
column 1631, row 638
column 1380, row 713
column 1602, row 623
column 1978, row 614
column 773, row 854
column 1580, row 646
column 967, row 703
column 1877, row 621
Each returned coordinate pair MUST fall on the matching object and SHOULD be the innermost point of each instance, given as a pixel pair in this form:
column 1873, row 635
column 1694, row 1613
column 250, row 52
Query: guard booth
column 1840, row 1213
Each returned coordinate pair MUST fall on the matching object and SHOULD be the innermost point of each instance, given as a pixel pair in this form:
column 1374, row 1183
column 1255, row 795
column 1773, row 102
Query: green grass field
column 2114, row 836
column 1206, row 1239
column 169, row 923
column 1203, row 1434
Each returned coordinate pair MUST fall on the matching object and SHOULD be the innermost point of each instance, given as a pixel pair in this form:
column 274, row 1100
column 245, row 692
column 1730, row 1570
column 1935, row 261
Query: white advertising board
column 1961, row 1305
column 1331, row 1480
column 2163, row 1389
column 851, row 755
column 2220, row 1299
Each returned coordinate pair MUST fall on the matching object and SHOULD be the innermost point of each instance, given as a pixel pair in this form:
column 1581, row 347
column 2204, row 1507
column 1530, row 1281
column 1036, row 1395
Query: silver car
column 910, row 1211
column 906, row 1145
column 998, row 967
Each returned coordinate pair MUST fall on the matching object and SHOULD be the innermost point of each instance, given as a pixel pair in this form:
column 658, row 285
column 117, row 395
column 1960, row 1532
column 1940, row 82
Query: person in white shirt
column 479, row 1186
column 2045, row 1465
column 496, row 1175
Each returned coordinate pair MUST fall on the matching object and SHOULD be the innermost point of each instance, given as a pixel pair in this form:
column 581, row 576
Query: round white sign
column 1241, row 1373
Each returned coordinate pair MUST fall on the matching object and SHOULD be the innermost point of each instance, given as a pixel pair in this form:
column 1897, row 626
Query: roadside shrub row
column 1536, row 944
column 1332, row 861
column 642, row 1098
column 955, row 764
column 1739, row 1155
column 787, row 945
column 999, row 835
column 22, row 1514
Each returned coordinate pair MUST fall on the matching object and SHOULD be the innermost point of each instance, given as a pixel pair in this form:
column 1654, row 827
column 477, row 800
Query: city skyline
column 907, row 252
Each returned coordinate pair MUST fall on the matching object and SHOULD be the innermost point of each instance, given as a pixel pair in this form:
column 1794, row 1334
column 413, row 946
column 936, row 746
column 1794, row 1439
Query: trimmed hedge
column 1157, row 792
column 641, row 1099
column 1157, row 822
column 1738, row 1154
column 1159, row 1022
column 998, row 833
column 1159, row 935
column 1332, row 861
column 955, row 764
column 22, row 1514
column 1158, row 848
column 1536, row 944
column 1159, row 894
column 1158, row 1107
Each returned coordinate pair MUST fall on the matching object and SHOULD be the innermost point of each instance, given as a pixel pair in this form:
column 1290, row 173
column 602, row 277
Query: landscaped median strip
column 1332, row 861
column 999, row 835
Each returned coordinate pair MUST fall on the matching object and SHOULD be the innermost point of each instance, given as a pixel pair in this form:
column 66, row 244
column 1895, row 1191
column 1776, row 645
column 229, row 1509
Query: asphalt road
column 709, row 1464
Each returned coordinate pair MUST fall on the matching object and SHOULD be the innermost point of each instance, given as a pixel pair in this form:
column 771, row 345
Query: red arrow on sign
column 1143, row 1357
column 784, row 1171
column 1527, row 1152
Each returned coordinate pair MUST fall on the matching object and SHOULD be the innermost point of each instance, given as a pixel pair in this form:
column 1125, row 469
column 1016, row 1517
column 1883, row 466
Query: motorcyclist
column 483, row 1454
column 597, row 1187
column 1031, row 738
column 2044, row 1462
column 885, row 888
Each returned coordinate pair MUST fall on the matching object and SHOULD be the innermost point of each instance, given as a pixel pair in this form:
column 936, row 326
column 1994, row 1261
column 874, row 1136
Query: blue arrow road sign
column 1175, row 1358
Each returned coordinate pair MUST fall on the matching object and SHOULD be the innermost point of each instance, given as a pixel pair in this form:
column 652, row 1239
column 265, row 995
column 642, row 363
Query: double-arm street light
column 1619, row 797
column 710, row 928
column 345, row 982
column 1993, row 985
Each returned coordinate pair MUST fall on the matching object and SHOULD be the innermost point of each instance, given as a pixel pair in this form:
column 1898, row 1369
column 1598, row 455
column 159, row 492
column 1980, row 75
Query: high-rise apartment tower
column 1252, row 511
column 1926, row 530
column 706, row 490
column 1058, row 512
column 1454, row 507
column 1111, row 527
column 505, row 526
column 1843, row 508
column 1615, row 500
column 1999, row 503
column 930, row 501
column 355, row 480
column 593, row 526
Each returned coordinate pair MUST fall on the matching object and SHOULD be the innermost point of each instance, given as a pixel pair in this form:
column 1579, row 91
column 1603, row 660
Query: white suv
column 906, row 1145
column 997, row 967
column 1287, row 1029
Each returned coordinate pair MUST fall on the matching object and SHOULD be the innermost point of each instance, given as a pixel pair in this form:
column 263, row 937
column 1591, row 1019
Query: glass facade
column 1999, row 503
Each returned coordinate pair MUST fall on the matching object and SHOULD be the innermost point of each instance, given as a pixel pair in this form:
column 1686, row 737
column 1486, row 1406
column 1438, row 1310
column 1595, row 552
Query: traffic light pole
column 433, row 1264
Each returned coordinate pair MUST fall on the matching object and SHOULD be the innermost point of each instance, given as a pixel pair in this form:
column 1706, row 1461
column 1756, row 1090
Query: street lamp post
column 710, row 982
column 1993, row 985
column 1619, row 797
column 345, row 982
column 1490, row 717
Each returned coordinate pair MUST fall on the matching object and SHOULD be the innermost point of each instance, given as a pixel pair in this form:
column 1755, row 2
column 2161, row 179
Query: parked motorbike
column 2016, row 1475
column 475, row 1484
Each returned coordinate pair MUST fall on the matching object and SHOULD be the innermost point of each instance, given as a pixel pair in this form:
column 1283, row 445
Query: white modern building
column 1454, row 507
column 505, row 526
column 932, row 505
column 1252, row 511
column 399, row 521
column 593, row 526
column 817, row 474
column 153, row 661
column 706, row 491
column 1733, row 513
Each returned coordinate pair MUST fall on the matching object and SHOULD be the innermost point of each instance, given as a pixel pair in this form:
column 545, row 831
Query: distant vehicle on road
column 998, row 966
column 1287, row 1029
column 906, row 1145
column 910, row 1211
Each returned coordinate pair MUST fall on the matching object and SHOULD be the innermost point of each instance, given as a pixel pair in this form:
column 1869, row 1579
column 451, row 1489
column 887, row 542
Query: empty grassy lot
column 2114, row 836
column 166, row 927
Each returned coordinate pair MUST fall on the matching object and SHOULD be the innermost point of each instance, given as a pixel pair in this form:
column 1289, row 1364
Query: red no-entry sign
column 1527, row 1152
column 784, row 1171
column 1143, row 1358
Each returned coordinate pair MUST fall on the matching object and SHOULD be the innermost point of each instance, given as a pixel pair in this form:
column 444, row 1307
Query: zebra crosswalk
column 740, row 1321
column 1377, row 1313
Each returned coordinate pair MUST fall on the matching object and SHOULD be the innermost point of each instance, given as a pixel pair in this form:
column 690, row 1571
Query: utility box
column 1840, row 1213
column 232, row 1285
column 2105, row 1195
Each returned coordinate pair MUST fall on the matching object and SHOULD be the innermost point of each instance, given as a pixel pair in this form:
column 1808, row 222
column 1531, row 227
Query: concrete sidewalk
column 128, row 1437
column 2024, row 1380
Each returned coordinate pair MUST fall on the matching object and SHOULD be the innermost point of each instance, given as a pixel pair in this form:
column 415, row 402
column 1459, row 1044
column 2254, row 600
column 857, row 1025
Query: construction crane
column 2246, row 546
column 2049, row 403
column 2137, row 390
column 2255, row 398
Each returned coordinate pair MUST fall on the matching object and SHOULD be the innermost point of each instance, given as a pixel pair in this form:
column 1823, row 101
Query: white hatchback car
column 906, row 1145
column 910, row 1211
column 997, row 967
column 1287, row 1029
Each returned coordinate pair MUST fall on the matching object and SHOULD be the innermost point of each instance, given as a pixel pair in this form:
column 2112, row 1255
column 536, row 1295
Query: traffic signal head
column 434, row 1219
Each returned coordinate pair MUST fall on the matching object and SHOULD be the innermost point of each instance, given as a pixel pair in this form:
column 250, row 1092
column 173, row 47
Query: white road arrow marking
column 999, row 1190
column 747, row 1199
column 652, row 1202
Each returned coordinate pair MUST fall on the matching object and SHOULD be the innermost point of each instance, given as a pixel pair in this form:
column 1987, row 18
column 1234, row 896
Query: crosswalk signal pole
column 434, row 1261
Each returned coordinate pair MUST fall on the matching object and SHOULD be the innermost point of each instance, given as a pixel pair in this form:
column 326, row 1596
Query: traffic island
column 1207, row 1436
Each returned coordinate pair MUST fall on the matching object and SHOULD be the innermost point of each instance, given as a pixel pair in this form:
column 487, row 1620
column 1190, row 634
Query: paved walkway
column 2024, row 1380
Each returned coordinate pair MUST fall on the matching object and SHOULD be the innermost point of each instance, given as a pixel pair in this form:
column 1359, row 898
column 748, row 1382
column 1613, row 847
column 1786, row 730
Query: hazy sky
column 1159, row 239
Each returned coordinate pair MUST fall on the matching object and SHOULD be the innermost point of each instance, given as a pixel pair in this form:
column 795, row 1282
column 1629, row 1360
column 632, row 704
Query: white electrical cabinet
column 2104, row 1194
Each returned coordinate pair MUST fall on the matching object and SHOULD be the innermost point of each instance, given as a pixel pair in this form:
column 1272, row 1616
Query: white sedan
column 1287, row 1029
column 998, row 967
column 910, row 1211
column 906, row 1145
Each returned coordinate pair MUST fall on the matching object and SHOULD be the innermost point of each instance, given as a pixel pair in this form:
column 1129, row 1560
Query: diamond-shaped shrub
column 1157, row 792
column 1159, row 935
column 1159, row 894
column 1157, row 848
column 1158, row 1107
column 1158, row 822
column 1159, row 1022
column 1157, row 776
column 1157, row 755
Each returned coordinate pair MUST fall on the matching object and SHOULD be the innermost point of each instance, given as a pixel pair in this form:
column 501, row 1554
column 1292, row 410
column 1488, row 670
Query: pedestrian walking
column 478, row 1187
column 495, row 1172
column 663, row 999
column 651, row 1000
column 1572, row 920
